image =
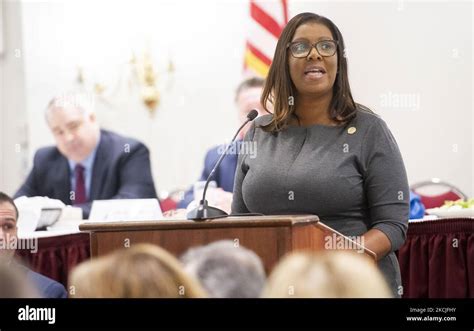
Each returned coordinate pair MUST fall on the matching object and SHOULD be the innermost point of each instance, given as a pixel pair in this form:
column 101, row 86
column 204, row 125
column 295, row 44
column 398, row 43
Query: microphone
column 204, row 211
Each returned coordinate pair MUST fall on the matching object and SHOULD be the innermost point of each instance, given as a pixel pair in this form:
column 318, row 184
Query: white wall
column 13, row 123
column 396, row 49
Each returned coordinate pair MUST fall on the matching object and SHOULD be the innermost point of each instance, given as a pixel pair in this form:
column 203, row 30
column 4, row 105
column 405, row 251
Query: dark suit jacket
column 121, row 170
column 224, row 175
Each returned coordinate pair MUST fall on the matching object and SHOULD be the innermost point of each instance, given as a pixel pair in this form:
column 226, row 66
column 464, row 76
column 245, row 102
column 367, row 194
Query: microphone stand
column 204, row 211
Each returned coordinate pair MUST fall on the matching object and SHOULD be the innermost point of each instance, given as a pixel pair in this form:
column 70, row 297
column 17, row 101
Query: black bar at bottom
column 442, row 314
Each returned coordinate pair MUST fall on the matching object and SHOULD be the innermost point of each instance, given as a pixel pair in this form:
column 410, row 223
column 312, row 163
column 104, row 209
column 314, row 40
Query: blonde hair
column 142, row 271
column 329, row 274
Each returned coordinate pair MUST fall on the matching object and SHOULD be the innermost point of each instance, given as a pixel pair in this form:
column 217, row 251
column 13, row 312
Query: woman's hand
column 377, row 242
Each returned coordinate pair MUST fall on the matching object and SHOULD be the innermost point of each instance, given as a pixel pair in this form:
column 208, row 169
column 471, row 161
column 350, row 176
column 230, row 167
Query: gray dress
column 354, row 181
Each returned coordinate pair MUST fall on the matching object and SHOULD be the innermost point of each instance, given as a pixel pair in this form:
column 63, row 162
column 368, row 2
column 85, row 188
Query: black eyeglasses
column 325, row 48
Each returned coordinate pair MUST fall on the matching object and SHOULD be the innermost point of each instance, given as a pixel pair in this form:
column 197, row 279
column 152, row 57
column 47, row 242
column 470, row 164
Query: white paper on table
column 125, row 210
column 71, row 218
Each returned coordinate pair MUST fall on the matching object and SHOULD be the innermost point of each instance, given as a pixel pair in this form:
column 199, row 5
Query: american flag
column 267, row 20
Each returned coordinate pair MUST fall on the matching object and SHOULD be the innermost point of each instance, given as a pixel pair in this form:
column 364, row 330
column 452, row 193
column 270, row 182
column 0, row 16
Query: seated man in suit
column 247, row 97
column 87, row 163
column 45, row 286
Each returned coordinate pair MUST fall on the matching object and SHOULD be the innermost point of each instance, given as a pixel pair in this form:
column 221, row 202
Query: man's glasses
column 325, row 48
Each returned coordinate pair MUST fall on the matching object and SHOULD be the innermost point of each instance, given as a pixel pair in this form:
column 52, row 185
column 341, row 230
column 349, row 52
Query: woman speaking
column 320, row 152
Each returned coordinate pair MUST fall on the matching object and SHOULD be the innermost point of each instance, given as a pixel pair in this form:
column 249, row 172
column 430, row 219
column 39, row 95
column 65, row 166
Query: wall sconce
column 147, row 78
column 141, row 73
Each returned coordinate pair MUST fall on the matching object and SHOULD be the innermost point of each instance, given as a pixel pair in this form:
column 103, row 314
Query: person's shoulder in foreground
column 47, row 287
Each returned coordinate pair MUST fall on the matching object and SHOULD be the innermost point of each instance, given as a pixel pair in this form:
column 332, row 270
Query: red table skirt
column 437, row 259
column 58, row 255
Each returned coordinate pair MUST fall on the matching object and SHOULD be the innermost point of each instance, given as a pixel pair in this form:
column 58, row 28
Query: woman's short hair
column 279, row 88
column 141, row 271
column 328, row 274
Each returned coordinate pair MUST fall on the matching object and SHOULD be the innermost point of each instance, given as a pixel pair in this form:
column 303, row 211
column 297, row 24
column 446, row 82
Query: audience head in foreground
column 226, row 270
column 141, row 271
column 330, row 274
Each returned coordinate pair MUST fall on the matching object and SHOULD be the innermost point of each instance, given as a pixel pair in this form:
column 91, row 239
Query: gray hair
column 226, row 270
column 84, row 102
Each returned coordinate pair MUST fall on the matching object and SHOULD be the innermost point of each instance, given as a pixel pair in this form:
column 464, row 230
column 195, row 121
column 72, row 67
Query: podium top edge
column 232, row 221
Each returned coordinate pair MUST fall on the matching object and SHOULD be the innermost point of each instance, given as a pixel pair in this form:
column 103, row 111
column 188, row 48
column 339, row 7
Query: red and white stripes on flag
column 267, row 20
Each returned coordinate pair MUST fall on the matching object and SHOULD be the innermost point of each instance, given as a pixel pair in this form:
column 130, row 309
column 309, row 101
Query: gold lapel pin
column 351, row 130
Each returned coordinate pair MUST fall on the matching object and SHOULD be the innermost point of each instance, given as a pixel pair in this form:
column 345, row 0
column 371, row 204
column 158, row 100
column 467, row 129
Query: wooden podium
column 270, row 237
